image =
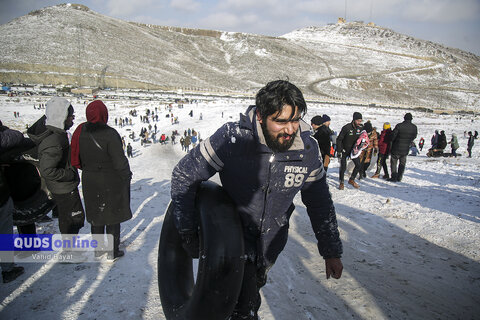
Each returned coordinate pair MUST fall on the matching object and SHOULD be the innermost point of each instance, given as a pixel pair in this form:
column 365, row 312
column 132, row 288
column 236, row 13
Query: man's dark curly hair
column 275, row 95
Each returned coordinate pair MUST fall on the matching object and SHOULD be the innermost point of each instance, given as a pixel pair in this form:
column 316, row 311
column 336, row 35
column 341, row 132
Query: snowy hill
column 349, row 62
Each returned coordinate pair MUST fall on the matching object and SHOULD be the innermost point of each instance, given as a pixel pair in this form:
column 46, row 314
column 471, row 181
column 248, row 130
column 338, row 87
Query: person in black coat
column 345, row 142
column 8, row 139
column 97, row 150
column 402, row 136
column 322, row 134
column 442, row 141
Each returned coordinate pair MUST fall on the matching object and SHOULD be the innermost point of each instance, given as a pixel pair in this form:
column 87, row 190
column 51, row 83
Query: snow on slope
column 73, row 45
column 411, row 249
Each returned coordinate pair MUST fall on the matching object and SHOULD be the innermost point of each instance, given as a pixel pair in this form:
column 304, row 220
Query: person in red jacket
column 383, row 151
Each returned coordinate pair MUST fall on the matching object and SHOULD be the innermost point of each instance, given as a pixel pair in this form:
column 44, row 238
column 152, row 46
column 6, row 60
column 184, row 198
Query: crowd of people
column 439, row 144
column 271, row 132
column 97, row 150
column 151, row 134
column 396, row 144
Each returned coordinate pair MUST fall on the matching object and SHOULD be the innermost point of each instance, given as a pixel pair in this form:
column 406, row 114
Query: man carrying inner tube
column 263, row 160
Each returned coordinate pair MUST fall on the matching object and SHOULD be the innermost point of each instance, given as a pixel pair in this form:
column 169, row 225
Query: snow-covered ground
column 411, row 249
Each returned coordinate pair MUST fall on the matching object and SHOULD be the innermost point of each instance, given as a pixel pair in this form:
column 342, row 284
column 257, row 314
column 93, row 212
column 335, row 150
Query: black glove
column 191, row 244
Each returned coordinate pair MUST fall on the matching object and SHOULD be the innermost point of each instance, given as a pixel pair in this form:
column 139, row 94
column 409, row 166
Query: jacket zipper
column 270, row 161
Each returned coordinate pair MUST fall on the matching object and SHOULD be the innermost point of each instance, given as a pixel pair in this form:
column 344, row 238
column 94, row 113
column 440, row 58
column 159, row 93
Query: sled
column 215, row 292
column 435, row 153
column 361, row 143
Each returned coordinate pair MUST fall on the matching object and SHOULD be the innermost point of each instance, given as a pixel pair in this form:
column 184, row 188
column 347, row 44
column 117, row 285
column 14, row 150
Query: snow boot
column 115, row 254
column 353, row 183
column 341, row 186
column 12, row 274
column 99, row 252
column 386, row 176
column 376, row 175
column 393, row 178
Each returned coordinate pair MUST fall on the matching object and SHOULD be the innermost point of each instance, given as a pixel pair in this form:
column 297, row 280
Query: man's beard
column 274, row 142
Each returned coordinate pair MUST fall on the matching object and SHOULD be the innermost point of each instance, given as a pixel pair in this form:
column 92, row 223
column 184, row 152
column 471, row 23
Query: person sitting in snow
column 413, row 149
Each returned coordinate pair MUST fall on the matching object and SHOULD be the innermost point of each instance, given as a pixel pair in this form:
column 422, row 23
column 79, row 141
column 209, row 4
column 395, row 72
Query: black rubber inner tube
column 220, row 269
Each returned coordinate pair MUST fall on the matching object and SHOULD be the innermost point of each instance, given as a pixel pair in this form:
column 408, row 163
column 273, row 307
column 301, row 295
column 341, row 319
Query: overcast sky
column 455, row 23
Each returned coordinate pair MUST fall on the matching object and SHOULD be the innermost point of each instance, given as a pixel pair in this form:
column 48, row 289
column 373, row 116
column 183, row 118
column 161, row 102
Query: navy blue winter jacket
column 262, row 184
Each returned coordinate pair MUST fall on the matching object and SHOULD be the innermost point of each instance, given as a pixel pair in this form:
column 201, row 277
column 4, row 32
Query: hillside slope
column 351, row 62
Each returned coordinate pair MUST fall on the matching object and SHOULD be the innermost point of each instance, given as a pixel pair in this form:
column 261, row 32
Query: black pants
column 249, row 300
column 382, row 163
column 113, row 229
column 343, row 167
column 397, row 172
column 71, row 216
column 27, row 229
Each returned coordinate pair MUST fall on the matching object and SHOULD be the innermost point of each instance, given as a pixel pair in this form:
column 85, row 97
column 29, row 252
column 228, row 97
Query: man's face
column 358, row 122
column 280, row 129
column 326, row 123
column 69, row 122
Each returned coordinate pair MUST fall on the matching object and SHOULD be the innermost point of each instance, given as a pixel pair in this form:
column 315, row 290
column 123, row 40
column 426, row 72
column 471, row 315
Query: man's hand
column 191, row 244
column 333, row 267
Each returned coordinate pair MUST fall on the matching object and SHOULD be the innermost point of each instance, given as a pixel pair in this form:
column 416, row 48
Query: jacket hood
column 97, row 112
column 38, row 131
column 56, row 112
